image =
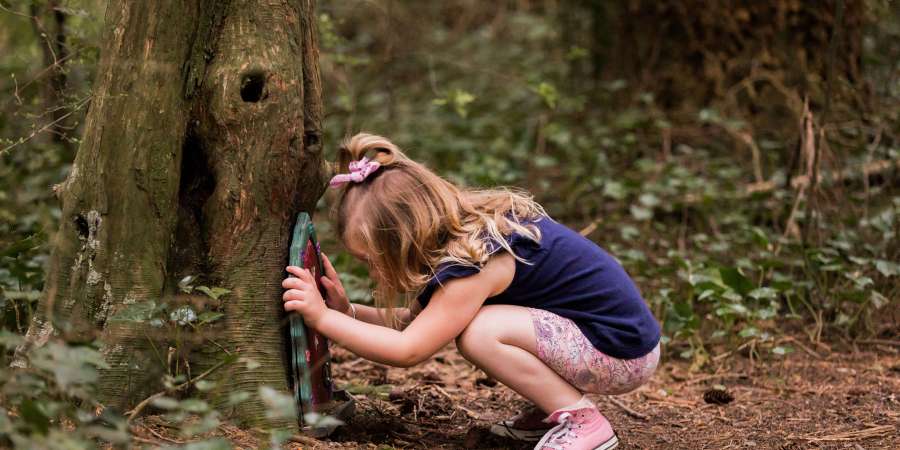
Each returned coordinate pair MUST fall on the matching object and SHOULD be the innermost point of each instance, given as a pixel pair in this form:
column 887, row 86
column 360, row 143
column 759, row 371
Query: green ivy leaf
column 194, row 405
column 204, row 385
column 238, row 397
column 641, row 213
column 763, row 293
column 735, row 280
column 878, row 300
column 34, row 416
column 213, row 292
column 164, row 402
column 782, row 350
column 749, row 332
column 210, row 316
column 10, row 340
column 548, row 93
column 278, row 404
column 135, row 312
column 614, row 190
column 887, row 268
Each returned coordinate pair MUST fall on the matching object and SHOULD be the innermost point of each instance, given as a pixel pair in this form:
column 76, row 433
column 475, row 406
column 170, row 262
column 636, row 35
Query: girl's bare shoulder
column 499, row 272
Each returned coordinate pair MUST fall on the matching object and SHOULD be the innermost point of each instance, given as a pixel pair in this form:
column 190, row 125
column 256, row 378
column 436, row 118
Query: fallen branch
column 803, row 347
column 469, row 412
column 879, row 342
column 305, row 440
column 627, row 410
column 867, row 170
column 875, row 431
column 143, row 404
column 802, row 181
column 715, row 376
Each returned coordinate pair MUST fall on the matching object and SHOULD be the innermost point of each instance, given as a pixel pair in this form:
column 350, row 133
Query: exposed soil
column 816, row 399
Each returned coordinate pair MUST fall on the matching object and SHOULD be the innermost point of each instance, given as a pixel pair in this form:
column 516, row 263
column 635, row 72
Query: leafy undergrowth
column 800, row 402
column 748, row 271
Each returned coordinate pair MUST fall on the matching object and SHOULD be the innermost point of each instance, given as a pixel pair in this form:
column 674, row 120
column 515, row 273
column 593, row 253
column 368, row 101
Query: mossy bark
column 202, row 142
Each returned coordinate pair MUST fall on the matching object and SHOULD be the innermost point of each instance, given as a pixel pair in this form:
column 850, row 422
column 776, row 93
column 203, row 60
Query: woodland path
column 838, row 399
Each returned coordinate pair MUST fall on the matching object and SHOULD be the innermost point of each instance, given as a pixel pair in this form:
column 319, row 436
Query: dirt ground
column 815, row 398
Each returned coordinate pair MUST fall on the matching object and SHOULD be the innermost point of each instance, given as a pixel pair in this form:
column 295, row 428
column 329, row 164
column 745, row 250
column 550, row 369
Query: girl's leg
column 501, row 341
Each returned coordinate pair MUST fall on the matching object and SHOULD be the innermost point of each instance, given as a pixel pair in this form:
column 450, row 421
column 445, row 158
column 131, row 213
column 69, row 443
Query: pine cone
column 718, row 397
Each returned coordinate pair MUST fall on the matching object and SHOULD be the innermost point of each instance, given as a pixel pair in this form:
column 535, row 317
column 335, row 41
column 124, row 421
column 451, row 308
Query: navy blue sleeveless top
column 573, row 277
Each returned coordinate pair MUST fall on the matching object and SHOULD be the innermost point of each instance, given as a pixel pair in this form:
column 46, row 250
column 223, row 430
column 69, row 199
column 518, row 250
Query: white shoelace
column 559, row 436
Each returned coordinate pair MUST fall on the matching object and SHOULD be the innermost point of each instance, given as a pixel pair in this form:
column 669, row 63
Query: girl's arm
column 450, row 310
column 337, row 300
column 375, row 316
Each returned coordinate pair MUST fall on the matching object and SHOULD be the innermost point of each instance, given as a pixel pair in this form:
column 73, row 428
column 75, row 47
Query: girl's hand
column 337, row 297
column 302, row 295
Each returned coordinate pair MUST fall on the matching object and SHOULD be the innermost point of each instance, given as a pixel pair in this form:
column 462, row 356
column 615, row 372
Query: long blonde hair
column 410, row 220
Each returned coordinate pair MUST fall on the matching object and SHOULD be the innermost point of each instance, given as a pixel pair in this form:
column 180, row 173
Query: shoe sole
column 612, row 443
column 504, row 430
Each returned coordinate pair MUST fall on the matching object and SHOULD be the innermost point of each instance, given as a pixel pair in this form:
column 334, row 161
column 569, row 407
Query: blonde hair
column 410, row 220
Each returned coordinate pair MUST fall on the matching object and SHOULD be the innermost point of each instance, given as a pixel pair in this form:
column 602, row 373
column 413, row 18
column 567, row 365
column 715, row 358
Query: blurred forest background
column 741, row 159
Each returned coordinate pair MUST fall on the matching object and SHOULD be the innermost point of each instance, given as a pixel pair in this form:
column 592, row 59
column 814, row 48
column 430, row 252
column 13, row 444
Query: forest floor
column 814, row 398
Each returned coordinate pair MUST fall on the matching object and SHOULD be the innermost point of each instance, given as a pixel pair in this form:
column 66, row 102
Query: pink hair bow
column 359, row 170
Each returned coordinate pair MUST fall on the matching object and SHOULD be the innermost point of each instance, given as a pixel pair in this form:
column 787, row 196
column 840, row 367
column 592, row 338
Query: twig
column 143, row 404
column 468, row 411
column 305, row 440
column 439, row 389
column 803, row 347
column 714, row 376
column 866, row 433
column 729, row 352
column 157, row 434
column 144, row 440
column 627, row 410
column 21, row 141
column 589, row 229
column 866, row 170
column 879, row 342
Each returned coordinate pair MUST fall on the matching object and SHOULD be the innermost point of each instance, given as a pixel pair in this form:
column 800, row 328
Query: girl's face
column 353, row 240
column 355, row 248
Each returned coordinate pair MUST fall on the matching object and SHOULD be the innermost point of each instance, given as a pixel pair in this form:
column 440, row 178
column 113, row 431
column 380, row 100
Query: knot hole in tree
column 253, row 86
column 82, row 225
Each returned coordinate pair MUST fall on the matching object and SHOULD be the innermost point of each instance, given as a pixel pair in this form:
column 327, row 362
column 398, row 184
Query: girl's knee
column 481, row 332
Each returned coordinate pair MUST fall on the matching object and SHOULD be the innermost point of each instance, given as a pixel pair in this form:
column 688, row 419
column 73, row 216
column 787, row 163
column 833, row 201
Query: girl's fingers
column 293, row 294
column 293, row 283
column 327, row 284
column 307, row 276
column 329, row 269
column 295, row 271
column 299, row 284
column 293, row 306
column 301, row 273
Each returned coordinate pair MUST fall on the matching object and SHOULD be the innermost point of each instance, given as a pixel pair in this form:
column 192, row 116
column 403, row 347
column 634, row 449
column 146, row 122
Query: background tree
column 202, row 142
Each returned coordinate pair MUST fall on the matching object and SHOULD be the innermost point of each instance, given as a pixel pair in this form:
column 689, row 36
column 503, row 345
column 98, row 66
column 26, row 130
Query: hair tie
column 359, row 170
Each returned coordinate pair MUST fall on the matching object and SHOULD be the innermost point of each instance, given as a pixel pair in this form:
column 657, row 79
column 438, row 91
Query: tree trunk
column 49, row 24
column 202, row 143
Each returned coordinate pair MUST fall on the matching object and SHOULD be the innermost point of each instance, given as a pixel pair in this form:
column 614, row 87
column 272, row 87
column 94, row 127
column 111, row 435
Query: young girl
column 531, row 302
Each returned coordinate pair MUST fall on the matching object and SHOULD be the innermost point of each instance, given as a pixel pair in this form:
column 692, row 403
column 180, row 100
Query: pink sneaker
column 580, row 427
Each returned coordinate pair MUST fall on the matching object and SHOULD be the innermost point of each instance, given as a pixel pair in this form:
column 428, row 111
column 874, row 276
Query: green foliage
column 512, row 101
column 51, row 405
column 164, row 314
column 524, row 95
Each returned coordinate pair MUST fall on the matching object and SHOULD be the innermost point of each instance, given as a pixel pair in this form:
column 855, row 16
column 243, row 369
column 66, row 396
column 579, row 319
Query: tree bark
column 202, row 143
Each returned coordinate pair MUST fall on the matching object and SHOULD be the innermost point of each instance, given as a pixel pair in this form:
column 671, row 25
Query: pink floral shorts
column 562, row 346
